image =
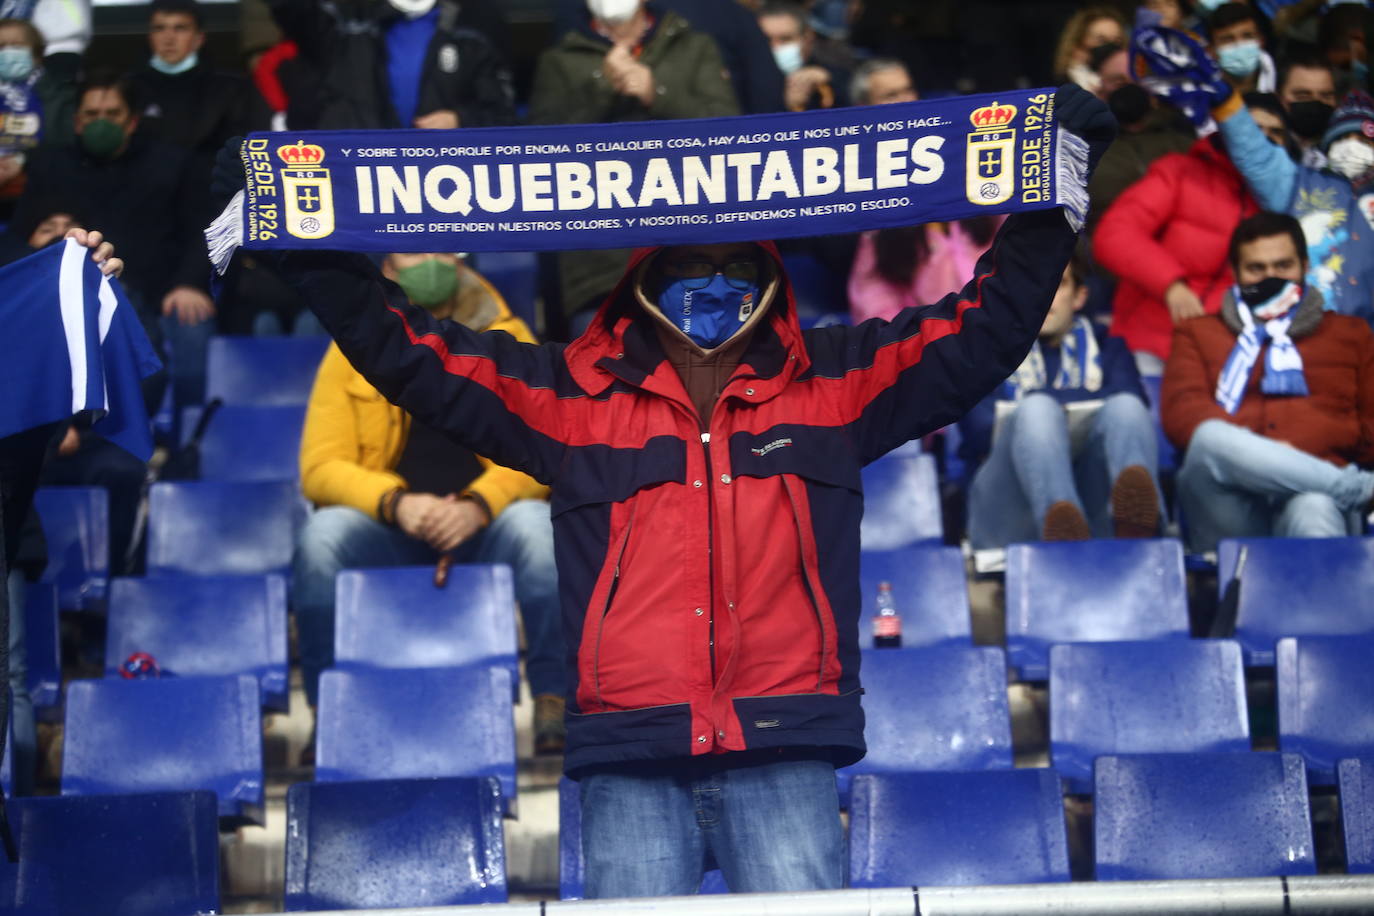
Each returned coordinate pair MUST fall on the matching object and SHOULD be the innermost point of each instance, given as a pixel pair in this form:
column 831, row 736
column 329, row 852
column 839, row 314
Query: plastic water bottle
column 887, row 623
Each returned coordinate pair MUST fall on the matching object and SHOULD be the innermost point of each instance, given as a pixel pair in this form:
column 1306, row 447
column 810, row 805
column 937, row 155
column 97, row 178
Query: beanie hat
column 1355, row 114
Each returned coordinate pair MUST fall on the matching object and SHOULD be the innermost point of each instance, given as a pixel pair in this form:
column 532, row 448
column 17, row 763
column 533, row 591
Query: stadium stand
column 138, row 855
column 43, row 650
column 1091, row 591
column 1355, row 778
column 207, row 528
column 203, row 625
column 395, row 723
column 252, row 443
column 262, row 371
column 168, row 734
column 1201, row 816
column 1298, row 587
column 901, row 502
column 961, row 828
column 1326, row 700
column 1160, row 696
column 394, row 843
column 929, row 588
column 515, row 274
column 76, row 526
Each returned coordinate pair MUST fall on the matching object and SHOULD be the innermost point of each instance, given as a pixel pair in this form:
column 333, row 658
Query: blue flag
column 72, row 345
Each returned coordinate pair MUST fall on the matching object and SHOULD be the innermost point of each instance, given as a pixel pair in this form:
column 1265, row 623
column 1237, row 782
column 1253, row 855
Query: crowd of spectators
column 1229, row 252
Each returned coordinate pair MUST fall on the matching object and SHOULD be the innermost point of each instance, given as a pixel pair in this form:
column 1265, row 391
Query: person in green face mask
column 104, row 123
column 429, row 280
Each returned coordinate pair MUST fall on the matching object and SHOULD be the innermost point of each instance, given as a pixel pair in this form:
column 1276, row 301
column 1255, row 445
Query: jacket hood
column 621, row 341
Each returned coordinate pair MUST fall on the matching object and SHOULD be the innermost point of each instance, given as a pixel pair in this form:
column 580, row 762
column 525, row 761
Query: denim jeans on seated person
column 1034, row 464
column 1236, row 483
column 648, row 828
column 338, row 537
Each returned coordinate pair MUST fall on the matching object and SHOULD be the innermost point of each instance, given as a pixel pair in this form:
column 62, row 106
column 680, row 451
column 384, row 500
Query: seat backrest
column 203, row 625
column 76, row 527
column 901, row 503
column 1355, row 777
column 1162, row 696
column 412, row 723
column 396, row 618
column 515, row 274
column 44, row 651
column 930, row 591
column 933, row 709
column 262, row 370
column 1326, row 700
column 960, row 828
column 167, row 734
column 394, row 843
column 206, row 528
column 1091, row 591
column 138, row 855
column 1298, row 587
column 253, row 443
column 1176, row 816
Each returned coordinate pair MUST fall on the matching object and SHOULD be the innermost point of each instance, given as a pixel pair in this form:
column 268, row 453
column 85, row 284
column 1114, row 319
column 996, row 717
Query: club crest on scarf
column 991, row 154
column 309, row 199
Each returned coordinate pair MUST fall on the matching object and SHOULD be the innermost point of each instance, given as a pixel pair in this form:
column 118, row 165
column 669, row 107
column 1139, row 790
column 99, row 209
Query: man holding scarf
column 705, row 456
column 1273, row 399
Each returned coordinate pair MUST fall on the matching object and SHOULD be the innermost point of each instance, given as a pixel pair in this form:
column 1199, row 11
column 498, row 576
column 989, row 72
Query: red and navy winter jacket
column 709, row 581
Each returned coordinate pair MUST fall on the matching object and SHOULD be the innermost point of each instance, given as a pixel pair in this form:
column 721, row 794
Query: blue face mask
column 15, row 64
column 181, row 66
column 1239, row 59
column 711, row 314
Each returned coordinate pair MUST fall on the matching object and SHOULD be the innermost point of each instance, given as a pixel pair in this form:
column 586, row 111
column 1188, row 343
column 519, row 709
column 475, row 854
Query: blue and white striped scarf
column 1080, row 365
column 1283, row 373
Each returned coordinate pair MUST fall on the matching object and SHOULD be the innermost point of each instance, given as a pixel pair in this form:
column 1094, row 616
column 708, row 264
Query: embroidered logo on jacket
column 775, row 444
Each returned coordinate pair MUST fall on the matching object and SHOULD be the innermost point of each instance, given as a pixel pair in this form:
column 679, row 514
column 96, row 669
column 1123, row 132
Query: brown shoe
column 1065, row 522
column 549, row 731
column 1135, row 504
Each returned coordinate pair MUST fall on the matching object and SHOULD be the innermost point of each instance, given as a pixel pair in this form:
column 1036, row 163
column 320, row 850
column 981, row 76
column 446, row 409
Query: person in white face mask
column 37, row 102
column 1238, row 46
column 809, row 85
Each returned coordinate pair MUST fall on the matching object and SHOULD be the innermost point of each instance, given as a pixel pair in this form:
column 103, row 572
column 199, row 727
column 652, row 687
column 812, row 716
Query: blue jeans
column 647, row 830
column 22, row 726
column 269, row 324
column 1235, row 483
column 1033, row 464
column 338, row 537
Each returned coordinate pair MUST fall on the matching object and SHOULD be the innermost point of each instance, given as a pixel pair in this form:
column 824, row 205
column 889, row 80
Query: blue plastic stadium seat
column 76, row 526
column 396, row 618
column 1356, row 781
column 901, row 503
column 168, row 734
column 933, row 709
column 817, row 288
column 253, row 443
column 1326, row 700
column 1091, row 591
column 952, row 829
column 1175, row 816
column 399, row 723
column 1168, row 455
column 1166, row 696
column 203, row 625
column 929, row 588
column 44, row 651
column 1299, row 587
column 515, row 274
column 572, row 866
column 205, row 528
column 394, row 843
column 262, row 370
column 136, row 855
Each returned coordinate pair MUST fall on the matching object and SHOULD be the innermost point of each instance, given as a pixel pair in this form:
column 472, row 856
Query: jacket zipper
column 710, row 555
column 806, row 580
column 606, row 609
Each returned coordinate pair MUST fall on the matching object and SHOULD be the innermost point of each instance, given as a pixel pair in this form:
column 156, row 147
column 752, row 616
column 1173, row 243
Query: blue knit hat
column 1355, row 114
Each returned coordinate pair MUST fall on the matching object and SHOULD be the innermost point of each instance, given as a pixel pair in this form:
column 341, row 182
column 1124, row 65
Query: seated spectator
column 1238, row 47
column 1066, row 446
column 37, row 100
column 1086, row 29
column 810, row 81
column 184, row 100
column 880, row 81
column 1165, row 238
column 1307, row 90
column 49, row 223
column 626, row 61
column 402, row 63
column 393, row 492
column 1273, row 399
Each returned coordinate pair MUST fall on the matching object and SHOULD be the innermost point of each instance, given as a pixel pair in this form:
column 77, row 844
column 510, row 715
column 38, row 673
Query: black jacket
column 198, row 109
column 346, row 46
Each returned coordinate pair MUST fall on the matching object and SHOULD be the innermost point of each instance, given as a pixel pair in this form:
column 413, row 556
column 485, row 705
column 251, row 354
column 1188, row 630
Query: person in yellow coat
column 392, row 491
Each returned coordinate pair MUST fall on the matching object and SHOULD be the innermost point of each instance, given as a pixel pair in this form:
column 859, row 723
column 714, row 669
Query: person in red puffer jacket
column 1166, row 237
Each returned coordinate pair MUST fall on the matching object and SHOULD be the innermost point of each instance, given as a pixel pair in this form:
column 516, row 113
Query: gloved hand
column 1084, row 114
column 227, row 178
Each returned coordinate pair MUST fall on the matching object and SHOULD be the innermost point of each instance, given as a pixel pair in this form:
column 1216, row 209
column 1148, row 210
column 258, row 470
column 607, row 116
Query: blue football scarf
column 1174, row 66
column 656, row 182
column 1080, row 365
column 72, row 345
column 1283, row 371
column 21, row 115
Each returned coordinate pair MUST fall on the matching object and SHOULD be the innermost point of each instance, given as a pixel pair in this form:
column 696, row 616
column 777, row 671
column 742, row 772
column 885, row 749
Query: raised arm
column 1271, row 175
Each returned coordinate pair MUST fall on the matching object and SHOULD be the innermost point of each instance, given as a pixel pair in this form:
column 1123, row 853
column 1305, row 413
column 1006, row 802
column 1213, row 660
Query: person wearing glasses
column 704, row 454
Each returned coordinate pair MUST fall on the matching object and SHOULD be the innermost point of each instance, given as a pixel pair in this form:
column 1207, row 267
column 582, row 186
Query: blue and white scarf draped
column 1174, row 66
column 1080, row 365
column 1283, row 373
